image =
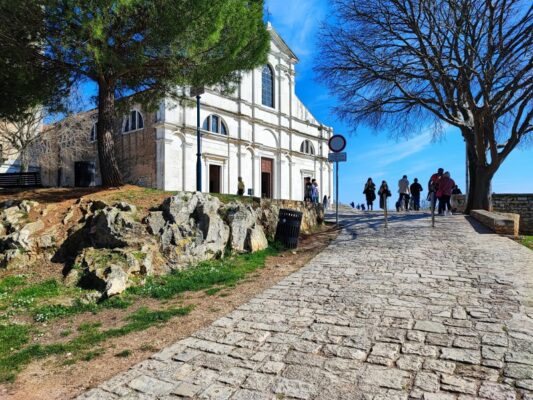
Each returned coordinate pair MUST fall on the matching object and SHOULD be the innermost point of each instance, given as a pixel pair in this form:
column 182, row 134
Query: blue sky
column 373, row 154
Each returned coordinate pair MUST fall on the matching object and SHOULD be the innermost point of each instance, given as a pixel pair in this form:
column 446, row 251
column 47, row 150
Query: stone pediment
column 281, row 44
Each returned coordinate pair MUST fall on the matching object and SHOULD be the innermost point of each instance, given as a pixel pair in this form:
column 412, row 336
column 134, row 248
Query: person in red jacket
column 444, row 194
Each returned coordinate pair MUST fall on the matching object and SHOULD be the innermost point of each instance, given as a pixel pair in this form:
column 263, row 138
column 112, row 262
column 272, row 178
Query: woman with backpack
column 370, row 194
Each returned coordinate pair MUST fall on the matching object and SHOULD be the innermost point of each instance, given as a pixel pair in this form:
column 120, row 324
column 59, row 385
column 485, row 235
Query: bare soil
column 52, row 378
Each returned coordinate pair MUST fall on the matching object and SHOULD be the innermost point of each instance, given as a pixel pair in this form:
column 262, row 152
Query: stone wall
column 502, row 223
column 521, row 204
column 313, row 214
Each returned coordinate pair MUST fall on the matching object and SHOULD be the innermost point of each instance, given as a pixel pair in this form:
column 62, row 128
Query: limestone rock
column 109, row 227
column 116, row 280
column 256, row 239
column 155, row 221
column 178, row 209
column 241, row 219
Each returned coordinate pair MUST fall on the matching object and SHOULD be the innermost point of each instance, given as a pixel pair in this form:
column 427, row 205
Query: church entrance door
column 215, row 178
column 267, row 167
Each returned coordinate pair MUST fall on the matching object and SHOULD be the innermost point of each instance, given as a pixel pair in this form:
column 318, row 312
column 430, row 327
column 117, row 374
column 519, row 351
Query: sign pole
column 386, row 211
column 337, row 194
column 433, row 209
column 337, row 143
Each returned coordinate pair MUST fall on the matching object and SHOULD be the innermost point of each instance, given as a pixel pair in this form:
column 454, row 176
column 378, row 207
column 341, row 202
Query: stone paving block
column 151, row 386
column 385, row 377
column 258, row 381
column 426, row 381
column 420, row 349
column 452, row 383
column 495, row 391
column 186, row 389
column 217, row 392
column 294, row 388
column 446, row 367
column 461, row 355
column 409, row 363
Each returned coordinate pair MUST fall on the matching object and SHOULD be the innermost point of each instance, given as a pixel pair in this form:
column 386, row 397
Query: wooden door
column 267, row 169
column 215, row 178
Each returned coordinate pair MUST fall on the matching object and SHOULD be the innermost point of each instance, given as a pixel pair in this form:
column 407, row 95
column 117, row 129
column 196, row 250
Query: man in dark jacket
column 416, row 188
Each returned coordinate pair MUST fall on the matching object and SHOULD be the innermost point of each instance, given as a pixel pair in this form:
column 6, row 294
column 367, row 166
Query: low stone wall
column 313, row 214
column 521, row 204
column 502, row 223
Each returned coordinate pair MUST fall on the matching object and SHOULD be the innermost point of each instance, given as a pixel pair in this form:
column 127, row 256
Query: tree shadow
column 47, row 195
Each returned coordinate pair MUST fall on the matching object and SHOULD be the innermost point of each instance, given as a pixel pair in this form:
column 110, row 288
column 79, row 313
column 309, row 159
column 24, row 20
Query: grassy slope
column 17, row 298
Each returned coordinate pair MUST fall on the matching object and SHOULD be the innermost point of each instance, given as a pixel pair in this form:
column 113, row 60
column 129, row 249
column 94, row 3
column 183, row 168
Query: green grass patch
column 225, row 272
column 10, row 283
column 90, row 336
column 65, row 333
column 527, row 241
column 212, row 291
column 12, row 337
column 124, row 353
column 230, row 198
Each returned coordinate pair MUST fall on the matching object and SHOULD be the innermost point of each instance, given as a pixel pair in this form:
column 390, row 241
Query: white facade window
column 215, row 124
column 267, row 90
column 93, row 136
column 134, row 121
column 307, row 147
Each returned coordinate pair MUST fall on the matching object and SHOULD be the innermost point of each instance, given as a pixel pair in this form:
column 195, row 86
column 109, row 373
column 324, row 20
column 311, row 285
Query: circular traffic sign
column 337, row 143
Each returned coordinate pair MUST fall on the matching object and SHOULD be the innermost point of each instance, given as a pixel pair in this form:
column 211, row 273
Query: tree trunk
column 109, row 170
column 479, row 190
column 24, row 160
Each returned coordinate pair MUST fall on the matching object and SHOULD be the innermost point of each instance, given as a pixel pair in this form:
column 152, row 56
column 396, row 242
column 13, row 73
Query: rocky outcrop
column 108, row 248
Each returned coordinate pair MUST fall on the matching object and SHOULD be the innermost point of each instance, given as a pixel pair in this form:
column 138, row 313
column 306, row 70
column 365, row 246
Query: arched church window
column 307, row 147
column 268, row 86
column 215, row 124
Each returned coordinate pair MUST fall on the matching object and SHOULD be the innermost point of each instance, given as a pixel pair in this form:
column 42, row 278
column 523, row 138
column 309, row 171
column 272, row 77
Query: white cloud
column 394, row 152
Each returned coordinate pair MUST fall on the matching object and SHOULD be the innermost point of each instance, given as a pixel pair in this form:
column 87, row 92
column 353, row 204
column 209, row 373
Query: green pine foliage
column 145, row 47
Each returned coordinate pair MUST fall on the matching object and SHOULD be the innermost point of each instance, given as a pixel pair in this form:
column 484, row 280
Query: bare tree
column 18, row 137
column 412, row 63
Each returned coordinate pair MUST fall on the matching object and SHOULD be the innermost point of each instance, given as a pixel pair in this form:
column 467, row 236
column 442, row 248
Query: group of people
column 440, row 187
column 311, row 193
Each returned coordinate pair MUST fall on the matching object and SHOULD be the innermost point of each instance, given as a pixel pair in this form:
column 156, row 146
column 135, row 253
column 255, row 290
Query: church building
column 261, row 132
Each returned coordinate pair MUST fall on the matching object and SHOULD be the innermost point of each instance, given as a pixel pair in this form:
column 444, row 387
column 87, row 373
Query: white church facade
column 261, row 132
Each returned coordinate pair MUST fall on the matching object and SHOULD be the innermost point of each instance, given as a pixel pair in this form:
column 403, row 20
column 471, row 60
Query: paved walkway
column 404, row 313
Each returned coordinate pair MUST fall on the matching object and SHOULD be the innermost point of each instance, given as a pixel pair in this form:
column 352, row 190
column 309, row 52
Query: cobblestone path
column 403, row 313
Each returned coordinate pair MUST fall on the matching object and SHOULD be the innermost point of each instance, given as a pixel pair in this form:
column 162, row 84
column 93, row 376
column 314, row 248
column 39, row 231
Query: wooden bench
column 20, row 179
column 502, row 223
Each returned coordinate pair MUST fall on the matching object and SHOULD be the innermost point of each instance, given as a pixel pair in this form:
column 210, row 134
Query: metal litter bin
column 288, row 229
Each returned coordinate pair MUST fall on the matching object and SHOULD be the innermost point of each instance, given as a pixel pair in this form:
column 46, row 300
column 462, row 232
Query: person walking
column 416, row 188
column 314, row 191
column 370, row 194
column 433, row 186
column 383, row 193
column 403, row 189
column 444, row 193
column 240, row 187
